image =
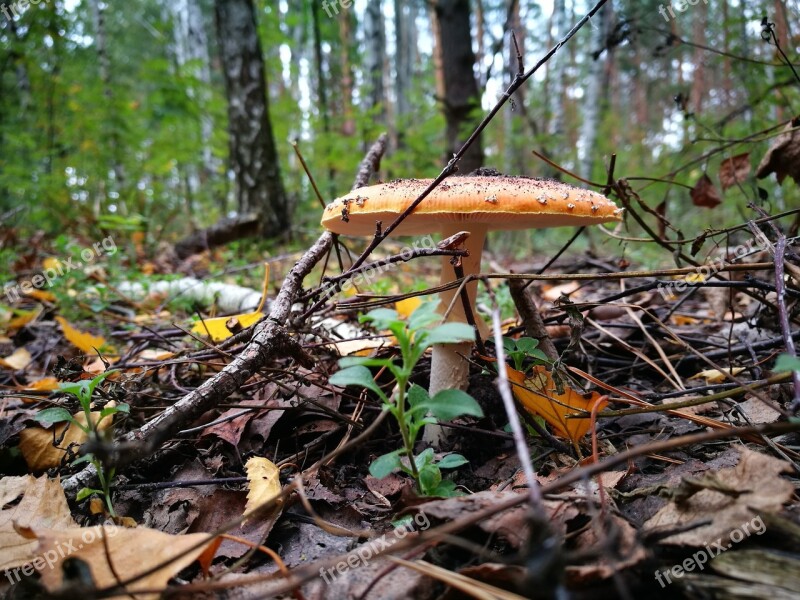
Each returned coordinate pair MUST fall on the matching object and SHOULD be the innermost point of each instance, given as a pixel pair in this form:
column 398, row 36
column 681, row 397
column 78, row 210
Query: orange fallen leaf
column 539, row 396
column 46, row 384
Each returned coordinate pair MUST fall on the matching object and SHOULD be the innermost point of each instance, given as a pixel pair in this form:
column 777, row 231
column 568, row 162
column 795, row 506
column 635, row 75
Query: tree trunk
column 556, row 72
column 253, row 155
column 461, row 98
column 596, row 56
column 375, row 42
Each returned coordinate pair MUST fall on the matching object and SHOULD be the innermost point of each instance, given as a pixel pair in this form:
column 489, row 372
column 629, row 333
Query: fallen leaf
column 41, row 295
column 36, row 443
column 704, row 193
column 263, row 483
column 130, row 551
column 218, row 329
column 46, row 384
column 407, row 306
column 85, row 342
column 760, row 489
column 24, row 317
column 29, row 502
column 734, row 170
column 538, row 394
column 17, row 361
column 717, row 375
column 783, row 156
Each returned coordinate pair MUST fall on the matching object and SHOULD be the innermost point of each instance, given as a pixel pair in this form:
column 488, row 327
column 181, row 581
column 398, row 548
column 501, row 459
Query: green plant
column 411, row 405
column 524, row 348
column 83, row 391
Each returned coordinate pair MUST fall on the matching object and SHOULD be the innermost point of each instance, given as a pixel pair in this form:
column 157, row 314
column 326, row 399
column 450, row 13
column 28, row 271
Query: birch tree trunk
column 253, row 155
column 596, row 57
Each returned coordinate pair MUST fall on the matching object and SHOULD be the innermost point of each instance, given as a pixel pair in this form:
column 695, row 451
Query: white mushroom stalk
column 475, row 204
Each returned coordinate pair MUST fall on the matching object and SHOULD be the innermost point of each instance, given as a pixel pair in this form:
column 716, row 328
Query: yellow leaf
column 24, row 317
column 17, row 361
column 217, row 327
column 539, row 396
column 41, row 295
column 85, row 342
column 405, row 307
column 263, row 482
column 51, row 263
column 717, row 375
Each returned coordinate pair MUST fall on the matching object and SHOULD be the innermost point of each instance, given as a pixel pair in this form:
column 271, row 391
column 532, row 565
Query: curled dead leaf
column 783, row 156
column 705, row 194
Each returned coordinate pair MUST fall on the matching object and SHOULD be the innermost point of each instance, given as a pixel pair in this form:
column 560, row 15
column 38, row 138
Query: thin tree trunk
column 375, row 42
column 592, row 100
column 253, row 155
column 461, row 97
column 556, row 70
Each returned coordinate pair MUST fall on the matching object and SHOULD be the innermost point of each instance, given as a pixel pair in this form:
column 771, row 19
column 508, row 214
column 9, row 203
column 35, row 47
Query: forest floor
column 665, row 449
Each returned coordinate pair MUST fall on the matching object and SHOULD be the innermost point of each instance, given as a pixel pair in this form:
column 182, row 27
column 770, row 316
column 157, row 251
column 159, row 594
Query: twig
column 783, row 315
column 270, row 339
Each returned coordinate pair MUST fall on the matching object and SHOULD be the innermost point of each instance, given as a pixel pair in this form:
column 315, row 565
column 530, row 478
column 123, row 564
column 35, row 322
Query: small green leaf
column 527, row 344
column 55, row 414
column 84, row 493
column 429, row 478
column 451, row 333
column 384, row 465
column 786, row 362
column 417, row 395
column 447, row 489
column 381, row 318
column 424, row 458
column 357, row 376
column 509, row 344
column 83, row 459
column 450, row 404
column 424, row 315
column 451, row 461
column 362, row 361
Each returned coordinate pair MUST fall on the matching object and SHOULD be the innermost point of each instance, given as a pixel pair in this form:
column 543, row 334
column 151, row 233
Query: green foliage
column 411, row 405
column 83, row 391
column 524, row 349
column 787, row 362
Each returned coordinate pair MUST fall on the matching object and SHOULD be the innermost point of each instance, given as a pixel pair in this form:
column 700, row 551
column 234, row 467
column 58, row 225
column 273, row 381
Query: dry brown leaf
column 130, row 551
column 761, row 489
column 734, row 170
column 30, row 502
column 539, row 395
column 705, row 194
column 36, row 443
column 783, row 156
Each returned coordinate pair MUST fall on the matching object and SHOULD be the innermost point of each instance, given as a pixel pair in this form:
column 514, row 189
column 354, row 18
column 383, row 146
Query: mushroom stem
column 449, row 368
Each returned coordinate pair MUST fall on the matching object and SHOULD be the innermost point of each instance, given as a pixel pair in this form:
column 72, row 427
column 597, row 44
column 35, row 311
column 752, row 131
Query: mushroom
column 475, row 204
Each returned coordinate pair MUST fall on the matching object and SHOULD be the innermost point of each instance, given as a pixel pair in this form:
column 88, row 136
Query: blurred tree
column 461, row 101
column 253, row 155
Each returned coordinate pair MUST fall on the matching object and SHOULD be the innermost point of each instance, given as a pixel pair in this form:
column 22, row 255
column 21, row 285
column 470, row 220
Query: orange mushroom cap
column 497, row 202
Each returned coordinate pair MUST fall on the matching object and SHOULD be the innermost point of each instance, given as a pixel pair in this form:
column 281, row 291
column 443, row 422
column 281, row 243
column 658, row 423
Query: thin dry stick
column 511, row 410
column 783, row 314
